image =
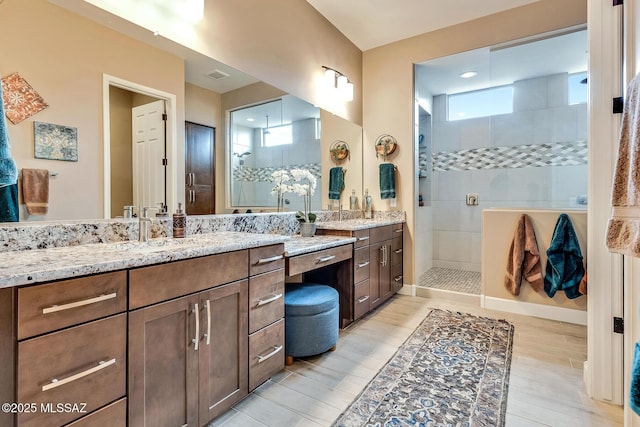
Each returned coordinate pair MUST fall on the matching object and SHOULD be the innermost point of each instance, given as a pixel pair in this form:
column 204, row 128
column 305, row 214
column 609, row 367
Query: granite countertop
column 357, row 224
column 43, row 265
column 302, row 245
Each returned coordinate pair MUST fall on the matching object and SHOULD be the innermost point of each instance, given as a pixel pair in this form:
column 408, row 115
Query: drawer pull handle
column 399, row 230
column 272, row 259
column 276, row 350
column 397, row 279
column 363, row 264
column 196, row 340
column 363, row 299
column 326, row 258
column 360, row 239
column 76, row 304
column 398, row 251
column 208, row 334
column 268, row 300
column 57, row 383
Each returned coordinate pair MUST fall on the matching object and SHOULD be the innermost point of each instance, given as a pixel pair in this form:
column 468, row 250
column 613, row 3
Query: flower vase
column 307, row 229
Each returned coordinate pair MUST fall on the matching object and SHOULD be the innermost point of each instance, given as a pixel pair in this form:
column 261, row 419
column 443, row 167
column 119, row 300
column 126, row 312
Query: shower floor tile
column 467, row 282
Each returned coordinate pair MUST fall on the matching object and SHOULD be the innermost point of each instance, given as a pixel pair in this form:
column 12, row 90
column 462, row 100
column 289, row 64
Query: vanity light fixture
column 468, row 74
column 339, row 83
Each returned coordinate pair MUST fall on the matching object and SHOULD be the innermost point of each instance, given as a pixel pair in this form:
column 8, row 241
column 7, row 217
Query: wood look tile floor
column 545, row 387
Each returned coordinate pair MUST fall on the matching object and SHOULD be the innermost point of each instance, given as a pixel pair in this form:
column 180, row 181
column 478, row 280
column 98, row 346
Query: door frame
column 171, row 138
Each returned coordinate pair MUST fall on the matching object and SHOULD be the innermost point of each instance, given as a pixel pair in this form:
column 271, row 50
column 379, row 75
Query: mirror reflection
column 279, row 135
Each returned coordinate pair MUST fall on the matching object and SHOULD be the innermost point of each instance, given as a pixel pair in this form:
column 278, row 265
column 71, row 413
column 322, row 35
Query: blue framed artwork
column 55, row 142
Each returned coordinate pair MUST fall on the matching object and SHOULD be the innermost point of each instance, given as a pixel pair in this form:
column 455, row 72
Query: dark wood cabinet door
column 223, row 350
column 199, row 169
column 163, row 364
column 375, row 273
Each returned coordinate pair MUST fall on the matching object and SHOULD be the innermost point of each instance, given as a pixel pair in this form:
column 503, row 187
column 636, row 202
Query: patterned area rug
column 452, row 371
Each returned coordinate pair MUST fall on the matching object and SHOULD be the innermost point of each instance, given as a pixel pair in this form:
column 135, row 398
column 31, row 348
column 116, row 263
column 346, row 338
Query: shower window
column 480, row 103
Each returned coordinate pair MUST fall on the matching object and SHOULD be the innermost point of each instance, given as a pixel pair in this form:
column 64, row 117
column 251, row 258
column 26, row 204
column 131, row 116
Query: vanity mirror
column 83, row 52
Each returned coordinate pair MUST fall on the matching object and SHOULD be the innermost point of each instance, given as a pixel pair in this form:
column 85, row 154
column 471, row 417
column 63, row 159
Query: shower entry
column 498, row 127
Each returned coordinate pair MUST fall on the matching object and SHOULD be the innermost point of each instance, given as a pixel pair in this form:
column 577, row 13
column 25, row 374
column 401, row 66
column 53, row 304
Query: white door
column 148, row 154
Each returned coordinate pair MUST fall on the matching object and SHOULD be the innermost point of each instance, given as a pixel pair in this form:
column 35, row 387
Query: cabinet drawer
column 45, row 308
column 266, row 299
column 396, row 251
column 266, row 258
column 114, row 415
column 397, row 229
column 360, row 264
column 156, row 283
column 302, row 263
column 266, row 353
column 82, row 364
column 361, row 299
column 379, row 234
column 396, row 275
column 362, row 238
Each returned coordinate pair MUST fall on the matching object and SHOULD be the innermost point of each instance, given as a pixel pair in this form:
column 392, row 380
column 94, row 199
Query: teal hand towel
column 336, row 183
column 387, row 181
column 9, row 203
column 634, row 390
column 564, row 261
column 8, row 169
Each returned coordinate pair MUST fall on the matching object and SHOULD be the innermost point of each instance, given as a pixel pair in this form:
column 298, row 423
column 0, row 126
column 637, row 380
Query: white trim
column 408, row 290
column 561, row 314
column 443, row 294
column 172, row 138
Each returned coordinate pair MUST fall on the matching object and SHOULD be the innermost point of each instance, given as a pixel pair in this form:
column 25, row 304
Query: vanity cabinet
column 188, row 355
column 71, row 349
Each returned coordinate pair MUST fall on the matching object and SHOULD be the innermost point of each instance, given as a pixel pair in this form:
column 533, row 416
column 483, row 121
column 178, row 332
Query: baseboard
column 561, row 314
column 408, row 290
column 425, row 292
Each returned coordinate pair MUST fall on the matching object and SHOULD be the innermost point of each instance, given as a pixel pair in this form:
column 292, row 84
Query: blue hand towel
column 336, row 183
column 387, row 181
column 634, row 391
column 9, row 203
column 564, row 261
column 8, row 169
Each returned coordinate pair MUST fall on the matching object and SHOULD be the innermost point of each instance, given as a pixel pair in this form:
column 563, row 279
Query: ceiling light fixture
column 468, row 74
column 335, row 81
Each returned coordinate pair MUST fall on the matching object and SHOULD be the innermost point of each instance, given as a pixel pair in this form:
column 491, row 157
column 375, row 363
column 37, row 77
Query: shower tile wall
column 534, row 157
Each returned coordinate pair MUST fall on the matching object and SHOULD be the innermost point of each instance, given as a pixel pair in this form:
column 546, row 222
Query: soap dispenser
column 353, row 201
column 367, row 205
column 179, row 222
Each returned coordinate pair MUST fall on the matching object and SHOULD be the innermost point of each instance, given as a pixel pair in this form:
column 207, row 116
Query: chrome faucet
column 144, row 223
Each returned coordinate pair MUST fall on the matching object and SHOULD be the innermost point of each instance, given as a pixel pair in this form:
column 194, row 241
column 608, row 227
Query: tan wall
column 388, row 92
column 64, row 57
column 120, row 101
column 498, row 227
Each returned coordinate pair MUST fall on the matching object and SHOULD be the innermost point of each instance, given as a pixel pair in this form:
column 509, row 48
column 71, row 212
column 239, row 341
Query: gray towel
column 623, row 232
column 387, row 181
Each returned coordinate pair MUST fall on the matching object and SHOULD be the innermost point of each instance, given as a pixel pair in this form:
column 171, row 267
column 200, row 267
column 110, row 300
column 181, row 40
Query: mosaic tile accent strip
column 521, row 156
column 55, row 142
column 21, row 101
column 467, row 282
column 248, row 174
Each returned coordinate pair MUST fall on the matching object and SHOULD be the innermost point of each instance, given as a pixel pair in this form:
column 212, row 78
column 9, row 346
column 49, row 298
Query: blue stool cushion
column 311, row 319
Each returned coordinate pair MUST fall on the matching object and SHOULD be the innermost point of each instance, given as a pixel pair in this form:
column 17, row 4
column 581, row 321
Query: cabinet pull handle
column 271, row 259
column 57, row 383
column 192, row 178
column 276, row 350
column 360, row 239
column 398, row 251
column 76, row 304
column 363, row 299
column 268, row 300
column 208, row 334
column 363, row 264
column 398, row 278
column 399, row 230
column 326, row 258
column 196, row 340
column 382, row 255
column 386, row 255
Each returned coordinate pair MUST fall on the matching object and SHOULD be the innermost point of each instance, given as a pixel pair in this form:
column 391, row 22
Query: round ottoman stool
column 310, row 320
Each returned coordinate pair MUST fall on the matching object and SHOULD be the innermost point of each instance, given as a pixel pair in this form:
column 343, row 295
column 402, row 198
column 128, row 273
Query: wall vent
column 217, row 75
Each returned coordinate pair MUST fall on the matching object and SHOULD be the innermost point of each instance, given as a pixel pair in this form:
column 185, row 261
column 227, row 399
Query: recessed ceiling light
column 468, row 74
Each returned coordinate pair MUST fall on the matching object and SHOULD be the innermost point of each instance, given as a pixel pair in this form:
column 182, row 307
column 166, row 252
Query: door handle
column 196, row 340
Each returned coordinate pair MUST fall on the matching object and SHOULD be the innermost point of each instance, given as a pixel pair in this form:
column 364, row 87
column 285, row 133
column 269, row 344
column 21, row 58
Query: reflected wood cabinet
column 161, row 345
